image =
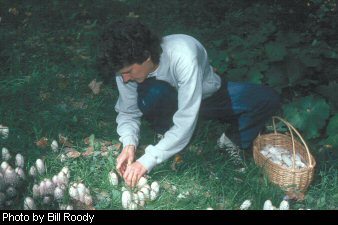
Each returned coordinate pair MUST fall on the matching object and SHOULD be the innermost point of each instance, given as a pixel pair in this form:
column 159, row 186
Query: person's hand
column 126, row 158
column 133, row 173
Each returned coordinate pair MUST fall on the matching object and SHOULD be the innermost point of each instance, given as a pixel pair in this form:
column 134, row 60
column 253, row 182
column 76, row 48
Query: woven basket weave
column 287, row 178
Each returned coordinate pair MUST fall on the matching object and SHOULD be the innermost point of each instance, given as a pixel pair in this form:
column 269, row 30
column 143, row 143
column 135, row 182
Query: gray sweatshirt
column 183, row 64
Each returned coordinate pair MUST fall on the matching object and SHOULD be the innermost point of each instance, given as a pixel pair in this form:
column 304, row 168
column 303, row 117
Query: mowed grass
column 47, row 61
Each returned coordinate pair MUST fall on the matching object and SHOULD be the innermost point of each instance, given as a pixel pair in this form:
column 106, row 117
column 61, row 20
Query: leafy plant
column 275, row 51
column 332, row 132
column 308, row 114
column 328, row 90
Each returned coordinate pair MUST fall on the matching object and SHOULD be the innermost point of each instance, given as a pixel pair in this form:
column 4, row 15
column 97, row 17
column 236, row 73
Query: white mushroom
column 73, row 193
column 69, row 207
column 153, row 195
column 132, row 206
column 32, row 171
column 62, row 179
column 299, row 162
column 5, row 154
column 19, row 160
column 10, row 176
column 40, row 166
column 54, row 146
column 4, row 131
column 286, row 159
column 126, row 199
column 88, row 200
column 113, row 179
column 141, row 198
column 21, row 174
column 143, row 181
column 245, row 205
column 42, row 188
column 268, row 205
column 29, row 204
column 50, row 186
column 284, row 205
column 66, row 171
column 58, row 194
column 135, row 198
column 87, row 191
column 81, row 190
column 55, row 180
column 36, row 191
column 47, row 200
column 81, row 187
column 146, row 191
column 155, row 186
column 4, row 166
column 63, row 158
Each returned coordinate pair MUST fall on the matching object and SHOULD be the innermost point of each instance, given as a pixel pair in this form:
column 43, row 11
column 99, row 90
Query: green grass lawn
column 48, row 58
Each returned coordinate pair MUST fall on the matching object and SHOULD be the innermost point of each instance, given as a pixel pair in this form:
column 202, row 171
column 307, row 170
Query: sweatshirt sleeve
column 129, row 116
column 188, row 73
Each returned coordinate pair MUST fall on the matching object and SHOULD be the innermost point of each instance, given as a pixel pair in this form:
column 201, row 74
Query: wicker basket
column 289, row 179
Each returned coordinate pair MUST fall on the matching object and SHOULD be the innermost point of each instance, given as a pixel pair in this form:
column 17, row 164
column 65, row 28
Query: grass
column 47, row 61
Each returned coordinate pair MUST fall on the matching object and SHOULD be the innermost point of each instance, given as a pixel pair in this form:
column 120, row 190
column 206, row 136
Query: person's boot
column 231, row 149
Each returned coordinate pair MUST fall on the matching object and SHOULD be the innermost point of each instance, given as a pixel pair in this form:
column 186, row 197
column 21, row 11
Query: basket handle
column 291, row 128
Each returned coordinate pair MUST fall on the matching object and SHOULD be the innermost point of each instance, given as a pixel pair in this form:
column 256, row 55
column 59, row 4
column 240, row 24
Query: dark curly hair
column 126, row 42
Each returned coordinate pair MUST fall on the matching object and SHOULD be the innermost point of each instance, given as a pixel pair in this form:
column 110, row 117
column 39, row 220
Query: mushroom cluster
column 11, row 179
column 136, row 199
column 48, row 191
column 282, row 157
column 79, row 192
column 284, row 205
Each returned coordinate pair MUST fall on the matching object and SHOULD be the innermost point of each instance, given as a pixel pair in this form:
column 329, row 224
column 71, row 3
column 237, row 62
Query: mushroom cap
column 126, row 199
column 155, row 186
column 40, row 166
column 29, row 204
column 268, row 205
column 58, row 193
column 113, row 179
column 19, row 160
column 245, row 205
column 11, row 178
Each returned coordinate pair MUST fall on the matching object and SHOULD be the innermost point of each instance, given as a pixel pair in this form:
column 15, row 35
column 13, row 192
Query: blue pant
column 245, row 106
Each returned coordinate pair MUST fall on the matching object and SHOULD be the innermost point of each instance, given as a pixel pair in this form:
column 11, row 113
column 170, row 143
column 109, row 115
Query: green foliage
column 332, row 132
column 294, row 62
column 308, row 114
column 328, row 90
column 275, row 51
